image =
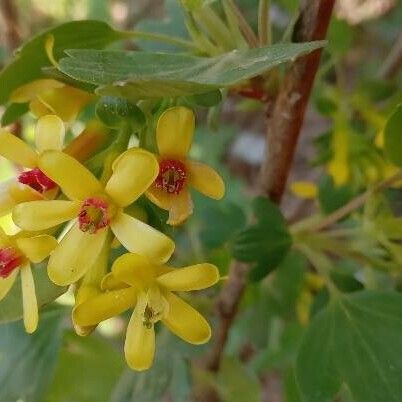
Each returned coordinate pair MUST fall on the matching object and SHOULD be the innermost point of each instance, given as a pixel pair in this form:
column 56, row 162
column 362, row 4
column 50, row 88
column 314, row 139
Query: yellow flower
column 47, row 96
column 304, row 189
column 16, row 254
column 90, row 286
column 96, row 208
column 136, row 282
column 31, row 184
column 171, row 189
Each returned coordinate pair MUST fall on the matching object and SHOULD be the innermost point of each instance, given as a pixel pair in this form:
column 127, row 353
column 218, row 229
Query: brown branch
column 288, row 114
column 283, row 131
column 393, row 62
column 11, row 23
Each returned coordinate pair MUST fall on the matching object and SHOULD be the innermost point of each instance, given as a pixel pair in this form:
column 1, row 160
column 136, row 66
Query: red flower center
column 94, row 215
column 10, row 259
column 172, row 176
column 37, row 180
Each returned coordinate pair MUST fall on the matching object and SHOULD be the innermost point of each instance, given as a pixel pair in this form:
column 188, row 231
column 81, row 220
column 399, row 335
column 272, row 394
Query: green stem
column 355, row 203
column 244, row 25
column 264, row 23
column 116, row 149
column 322, row 265
column 171, row 40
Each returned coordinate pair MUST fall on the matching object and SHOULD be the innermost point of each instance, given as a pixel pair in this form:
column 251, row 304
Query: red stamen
column 172, row 176
column 10, row 259
column 94, row 215
column 37, row 180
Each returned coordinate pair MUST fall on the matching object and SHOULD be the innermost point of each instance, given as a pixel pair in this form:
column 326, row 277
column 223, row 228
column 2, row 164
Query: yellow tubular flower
column 90, row 286
column 32, row 184
column 136, row 282
column 171, row 189
column 97, row 209
column 48, row 96
column 16, row 254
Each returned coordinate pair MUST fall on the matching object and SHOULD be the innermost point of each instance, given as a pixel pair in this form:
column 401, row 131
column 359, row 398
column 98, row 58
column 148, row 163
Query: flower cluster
column 55, row 194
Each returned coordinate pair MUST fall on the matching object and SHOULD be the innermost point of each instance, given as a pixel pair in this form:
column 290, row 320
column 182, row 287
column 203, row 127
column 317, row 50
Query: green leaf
column 114, row 112
column 169, row 374
column 332, row 197
column 86, row 371
column 139, row 75
column 355, row 341
column 46, row 292
column 27, row 361
column 14, row 112
column 393, row 137
column 31, row 57
column 265, row 243
column 237, row 384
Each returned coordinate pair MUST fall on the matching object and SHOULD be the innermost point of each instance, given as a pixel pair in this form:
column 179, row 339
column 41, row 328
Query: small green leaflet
column 31, row 57
column 139, row 75
column 356, row 341
column 265, row 243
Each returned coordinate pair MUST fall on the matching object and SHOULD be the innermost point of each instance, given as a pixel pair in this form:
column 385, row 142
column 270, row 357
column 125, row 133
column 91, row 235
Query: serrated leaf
column 46, row 292
column 31, row 57
column 139, row 75
column 265, row 243
column 356, row 340
column 393, row 137
column 27, row 361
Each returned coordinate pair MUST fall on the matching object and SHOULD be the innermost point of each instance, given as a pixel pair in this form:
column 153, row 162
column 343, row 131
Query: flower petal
column 104, row 306
column 49, row 133
column 16, row 150
column 27, row 92
column 181, row 207
column 174, row 132
column 37, row 248
column 134, row 270
column 186, row 322
column 84, row 293
column 140, row 238
column 76, row 181
column 6, row 200
column 139, row 347
column 65, row 102
column 76, row 253
column 110, row 282
column 133, row 172
column 159, row 197
column 29, row 302
column 195, row 277
column 40, row 215
column 22, row 193
column 7, row 283
column 206, row 180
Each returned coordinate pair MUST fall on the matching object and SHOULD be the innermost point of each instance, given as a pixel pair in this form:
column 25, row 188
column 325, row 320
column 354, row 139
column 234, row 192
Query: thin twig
column 244, row 25
column 264, row 22
column 393, row 62
column 288, row 114
column 355, row 203
column 312, row 25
